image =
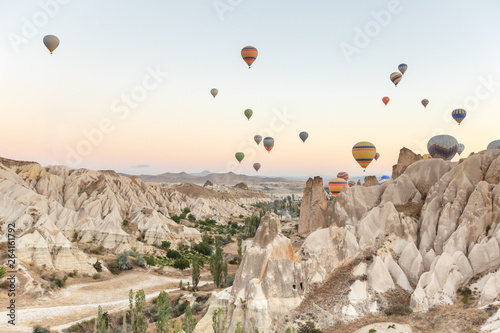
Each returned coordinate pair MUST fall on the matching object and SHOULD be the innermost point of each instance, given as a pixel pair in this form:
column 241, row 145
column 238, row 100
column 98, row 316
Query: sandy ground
column 80, row 301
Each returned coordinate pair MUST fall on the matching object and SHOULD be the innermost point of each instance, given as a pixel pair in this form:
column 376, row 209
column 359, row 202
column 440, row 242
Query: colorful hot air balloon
column 351, row 183
column 427, row 156
column 51, row 42
column 248, row 113
column 257, row 139
column 442, row 146
column 343, row 175
column 303, row 136
column 304, row 188
column 386, row 100
column 268, row 143
column 239, row 156
column 364, row 152
column 494, row 145
column 249, row 54
column 425, row 102
column 256, row 166
column 395, row 78
column 460, row 148
column 402, row 68
column 214, row 92
column 459, row 115
column 384, row 179
column 336, row 185
column 377, row 155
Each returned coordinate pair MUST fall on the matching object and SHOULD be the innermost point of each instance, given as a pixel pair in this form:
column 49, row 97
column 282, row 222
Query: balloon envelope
column 343, row 175
column 256, row 166
column 336, row 185
column 494, row 145
column 461, row 148
column 257, row 139
column 384, row 179
column 248, row 113
column 427, row 156
column 442, row 146
column 377, row 155
column 364, row 152
column 402, row 68
column 386, row 100
column 268, row 143
column 351, row 183
column 303, row 136
column 51, row 42
column 459, row 115
column 395, row 78
column 214, row 92
column 239, row 156
column 425, row 102
column 249, row 54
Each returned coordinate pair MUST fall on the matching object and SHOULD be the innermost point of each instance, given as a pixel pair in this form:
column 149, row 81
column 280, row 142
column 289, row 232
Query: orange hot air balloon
column 386, row 100
column 249, row 54
column 336, row 185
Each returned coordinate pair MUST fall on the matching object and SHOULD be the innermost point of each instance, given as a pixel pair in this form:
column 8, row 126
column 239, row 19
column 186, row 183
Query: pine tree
column 218, row 267
column 195, row 273
column 240, row 250
column 163, row 309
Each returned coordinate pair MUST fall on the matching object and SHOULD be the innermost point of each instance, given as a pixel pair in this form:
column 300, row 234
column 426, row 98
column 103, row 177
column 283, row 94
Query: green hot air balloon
column 248, row 113
column 239, row 156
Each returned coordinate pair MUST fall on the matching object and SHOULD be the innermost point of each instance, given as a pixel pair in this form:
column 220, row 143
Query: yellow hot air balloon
column 51, row 42
column 336, row 185
column 364, row 152
column 249, row 54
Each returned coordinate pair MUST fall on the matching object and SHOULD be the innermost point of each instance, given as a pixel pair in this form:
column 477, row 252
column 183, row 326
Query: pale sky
column 323, row 67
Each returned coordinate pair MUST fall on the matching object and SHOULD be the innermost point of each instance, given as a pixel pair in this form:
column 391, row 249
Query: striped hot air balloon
column 364, row 153
column 395, row 78
column 249, row 54
column 351, row 183
column 214, row 92
column 459, row 115
column 461, row 148
column 386, row 100
column 494, row 145
column 377, row 155
column 384, row 179
column 427, row 156
column 268, row 143
column 343, row 175
column 336, row 185
column 442, row 146
column 425, row 102
column 402, row 68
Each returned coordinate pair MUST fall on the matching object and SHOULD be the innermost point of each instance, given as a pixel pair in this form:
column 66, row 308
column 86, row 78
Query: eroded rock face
column 406, row 158
column 370, row 181
column 313, row 207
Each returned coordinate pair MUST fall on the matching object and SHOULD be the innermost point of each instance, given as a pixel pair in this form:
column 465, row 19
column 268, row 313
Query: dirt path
column 80, row 301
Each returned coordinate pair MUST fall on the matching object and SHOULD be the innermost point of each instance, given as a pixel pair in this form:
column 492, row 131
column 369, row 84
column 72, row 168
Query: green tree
column 177, row 327
column 138, row 320
column 101, row 321
column 195, row 272
column 123, row 261
column 240, row 251
column 219, row 321
column 189, row 321
column 181, row 263
column 163, row 310
column 218, row 267
column 239, row 328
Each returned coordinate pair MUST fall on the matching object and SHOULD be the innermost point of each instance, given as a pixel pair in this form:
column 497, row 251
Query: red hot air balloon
column 249, row 54
column 386, row 100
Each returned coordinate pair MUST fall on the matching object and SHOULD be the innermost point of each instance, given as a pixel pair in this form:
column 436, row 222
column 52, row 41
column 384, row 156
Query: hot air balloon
column 51, row 42
column 460, row 148
column 427, row 156
column 343, row 175
column 442, row 146
column 494, row 145
column 459, row 115
column 351, row 183
column 425, row 102
column 303, row 136
column 257, row 139
column 386, row 100
column 377, row 155
column 336, row 185
column 395, row 78
column 304, row 188
column 239, row 156
column 249, row 54
column 384, row 179
column 256, row 166
column 214, row 92
column 248, row 113
column 364, row 152
column 268, row 143
column 402, row 68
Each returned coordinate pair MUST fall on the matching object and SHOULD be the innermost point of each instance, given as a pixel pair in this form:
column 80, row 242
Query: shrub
column 398, row 309
column 203, row 248
column 176, row 218
column 139, row 239
column 75, row 236
column 196, row 307
column 97, row 250
column 172, row 254
column 113, row 267
column 96, row 276
column 191, row 218
column 41, row 329
column 179, row 309
column 308, row 327
column 73, row 274
column 228, row 282
column 181, row 263
column 165, row 245
column 139, row 260
column 151, row 261
column 98, row 266
column 123, row 261
column 125, row 223
column 59, row 283
column 2, row 272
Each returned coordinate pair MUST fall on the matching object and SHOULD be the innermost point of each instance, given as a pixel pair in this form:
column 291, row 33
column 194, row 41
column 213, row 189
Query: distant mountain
column 203, row 173
column 229, row 178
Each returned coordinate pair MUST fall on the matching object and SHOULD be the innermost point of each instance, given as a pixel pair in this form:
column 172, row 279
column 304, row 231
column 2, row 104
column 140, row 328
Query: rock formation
column 241, row 185
column 313, row 207
column 406, row 158
column 370, row 181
